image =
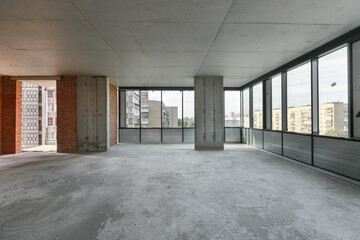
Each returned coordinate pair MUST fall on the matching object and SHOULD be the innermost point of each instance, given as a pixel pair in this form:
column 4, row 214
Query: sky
column 232, row 102
column 173, row 98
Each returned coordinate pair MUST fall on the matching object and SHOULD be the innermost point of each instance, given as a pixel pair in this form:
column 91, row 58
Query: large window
column 151, row 108
column 246, row 111
column 299, row 99
column 132, row 99
column 172, row 109
column 276, row 103
column 189, row 113
column 232, row 108
column 258, row 105
column 333, row 97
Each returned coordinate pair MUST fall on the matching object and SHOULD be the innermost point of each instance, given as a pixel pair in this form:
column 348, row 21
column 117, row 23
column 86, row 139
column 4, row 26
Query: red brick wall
column 113, row 92
column 1, row 114
column 11, row 116
column 66, row 114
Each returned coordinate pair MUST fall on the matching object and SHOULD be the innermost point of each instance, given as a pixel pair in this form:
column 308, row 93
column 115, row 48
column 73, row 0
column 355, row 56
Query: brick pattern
column 113, row 95
column 11, row 116
column 1, row 97
column 66, row 114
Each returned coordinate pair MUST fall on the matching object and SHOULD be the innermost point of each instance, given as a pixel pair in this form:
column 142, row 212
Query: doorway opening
column 39, row 116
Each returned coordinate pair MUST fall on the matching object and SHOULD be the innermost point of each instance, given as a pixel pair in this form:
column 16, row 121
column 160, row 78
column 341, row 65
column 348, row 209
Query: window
column 151, row 109
column 189, row 113
column 258, row 106
column 172, row 109
column 276, row 103
column 132, row 109
column 232, row 108
column 299, row 99
column 246, row 117
column 333, row 96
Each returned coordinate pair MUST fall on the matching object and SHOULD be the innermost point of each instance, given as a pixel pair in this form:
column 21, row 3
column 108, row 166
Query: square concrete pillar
column 93, row 125
column 209, row 113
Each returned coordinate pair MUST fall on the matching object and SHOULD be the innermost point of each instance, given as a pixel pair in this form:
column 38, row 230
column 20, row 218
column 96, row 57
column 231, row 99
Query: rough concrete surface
column 172, row 192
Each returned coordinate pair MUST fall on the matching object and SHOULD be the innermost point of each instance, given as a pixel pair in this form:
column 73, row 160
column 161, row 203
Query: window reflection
column 258, row 106
column 333, row 97
column 276, row 103
column 232, row 108
column 246, row 108
column 299, row 99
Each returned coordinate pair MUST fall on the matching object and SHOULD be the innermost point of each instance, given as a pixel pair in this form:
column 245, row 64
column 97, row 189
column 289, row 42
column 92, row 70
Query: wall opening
column 39, row 118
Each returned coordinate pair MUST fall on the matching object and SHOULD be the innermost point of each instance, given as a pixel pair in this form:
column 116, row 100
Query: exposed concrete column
column 209, row 113
column 93, row 131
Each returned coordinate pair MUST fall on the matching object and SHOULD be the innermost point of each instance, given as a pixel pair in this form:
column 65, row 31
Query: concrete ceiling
column 165, row 42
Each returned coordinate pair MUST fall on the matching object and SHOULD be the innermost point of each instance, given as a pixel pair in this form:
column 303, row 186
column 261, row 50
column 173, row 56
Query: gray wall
column 297, row 147
column 256, row 138
column 209, row 113
column 93, row 114
column 356, row 87
column 273, row 141
column 338, row 156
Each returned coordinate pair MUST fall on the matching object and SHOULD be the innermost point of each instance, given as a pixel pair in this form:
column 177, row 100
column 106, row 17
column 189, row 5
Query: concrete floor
column 172, row 192
column 41, row 148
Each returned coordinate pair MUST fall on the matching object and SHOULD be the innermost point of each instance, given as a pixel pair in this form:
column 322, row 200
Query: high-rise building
column 132, row 109
column 172, row 113
column 332, row 119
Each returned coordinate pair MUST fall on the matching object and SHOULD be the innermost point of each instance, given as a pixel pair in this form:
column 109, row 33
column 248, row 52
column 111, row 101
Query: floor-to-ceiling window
column 258, row 106
column 232, row 116
column 246, row 111
column 276, row 103
column 172, row 109
column 299, row 99
column 132, row 105
column 157, row 116
column 151, row 108
column 333, row 93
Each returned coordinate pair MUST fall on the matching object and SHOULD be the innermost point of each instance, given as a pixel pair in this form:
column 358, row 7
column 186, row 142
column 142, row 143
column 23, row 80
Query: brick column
column 11, row 115
column 113, row 118
column 66, row 114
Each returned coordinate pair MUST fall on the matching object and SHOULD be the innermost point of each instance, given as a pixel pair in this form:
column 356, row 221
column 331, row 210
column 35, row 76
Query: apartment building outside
column 332, row 119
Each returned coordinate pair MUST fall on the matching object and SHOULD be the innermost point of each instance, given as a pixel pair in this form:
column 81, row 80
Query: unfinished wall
column 11, row 116
column 1, row 102
column 113, row 91
column 209, row 113
column 93, row 114
column 66, row 114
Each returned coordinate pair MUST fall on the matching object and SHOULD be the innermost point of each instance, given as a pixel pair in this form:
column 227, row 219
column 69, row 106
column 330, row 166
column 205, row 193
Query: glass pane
column 246, row 108
column 151, row 107
column 333, row 96
column 132, row 109
column 299, row 99
column 172, row 109
column 258, row 105
column 276, row 103
column 189, row 119
column 232, row 108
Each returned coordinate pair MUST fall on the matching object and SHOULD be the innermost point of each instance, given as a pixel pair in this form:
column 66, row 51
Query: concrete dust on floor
column 41, row 148
column 167, row 191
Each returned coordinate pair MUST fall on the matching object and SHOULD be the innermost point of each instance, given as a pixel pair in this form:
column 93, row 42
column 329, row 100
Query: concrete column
column 93, row 125
column 209, row 113
column 354, row 87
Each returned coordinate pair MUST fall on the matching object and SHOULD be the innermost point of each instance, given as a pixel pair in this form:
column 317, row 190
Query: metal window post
column 251, row 117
